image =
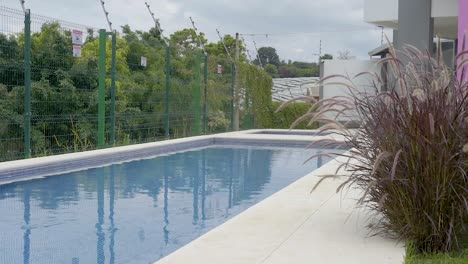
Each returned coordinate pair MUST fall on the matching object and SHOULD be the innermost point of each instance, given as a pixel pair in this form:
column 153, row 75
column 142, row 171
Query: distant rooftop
column 285, row 89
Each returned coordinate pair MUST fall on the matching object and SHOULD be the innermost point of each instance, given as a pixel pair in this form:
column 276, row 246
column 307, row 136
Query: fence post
column 102, row 88
column 113, row 73
column 233, row 83
column 168, row 87
column 27, row 83
column 197, row 96
column 205, row 95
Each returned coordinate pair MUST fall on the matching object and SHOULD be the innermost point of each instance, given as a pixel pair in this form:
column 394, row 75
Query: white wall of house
column 445, row 8
column 385, row 13
column 348, row 68
column 381, row 11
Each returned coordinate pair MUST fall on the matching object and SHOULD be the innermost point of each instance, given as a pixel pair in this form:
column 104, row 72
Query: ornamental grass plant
column 409, row 155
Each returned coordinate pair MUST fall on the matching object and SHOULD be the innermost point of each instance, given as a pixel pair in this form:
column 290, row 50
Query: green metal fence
column 11, row 87
column 123, row 89
column 61, row 96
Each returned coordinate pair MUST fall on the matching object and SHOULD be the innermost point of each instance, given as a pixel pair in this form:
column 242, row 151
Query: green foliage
column 277, row 69
column 11, row 70
column 258, row 103
column 413, row 257
column 217, row 49
column 327, row 57
column 272, row 70
column 187, row 39
column 284, row 118
column 64, row 89
column 217, row 121
column 267, row 55
column 298, row 69
column 50, row 49
column 410, row 155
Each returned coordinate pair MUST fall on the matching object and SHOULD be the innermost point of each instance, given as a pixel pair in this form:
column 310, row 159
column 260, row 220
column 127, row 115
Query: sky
column 293, row 27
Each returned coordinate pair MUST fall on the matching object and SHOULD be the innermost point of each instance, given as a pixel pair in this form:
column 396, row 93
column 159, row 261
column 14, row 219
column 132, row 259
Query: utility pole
column 319, row 57
column 320, row 52
column 237, row 88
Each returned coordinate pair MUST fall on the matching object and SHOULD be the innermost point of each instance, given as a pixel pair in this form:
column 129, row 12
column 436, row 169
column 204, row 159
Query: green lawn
column 454, row 258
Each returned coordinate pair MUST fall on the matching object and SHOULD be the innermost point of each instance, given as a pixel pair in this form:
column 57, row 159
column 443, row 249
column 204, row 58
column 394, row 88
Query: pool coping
column 35, row 168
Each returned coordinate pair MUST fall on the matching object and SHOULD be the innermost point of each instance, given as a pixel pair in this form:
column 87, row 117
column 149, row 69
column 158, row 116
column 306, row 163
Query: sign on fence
column 77, row 37
column 143, row 61
column 220, row 69
column 77, row 51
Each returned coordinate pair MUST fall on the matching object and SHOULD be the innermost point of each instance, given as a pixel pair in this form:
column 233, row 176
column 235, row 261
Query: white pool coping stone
column 294, row 226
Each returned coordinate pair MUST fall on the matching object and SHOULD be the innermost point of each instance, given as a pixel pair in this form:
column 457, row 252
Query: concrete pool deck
column 294, row 226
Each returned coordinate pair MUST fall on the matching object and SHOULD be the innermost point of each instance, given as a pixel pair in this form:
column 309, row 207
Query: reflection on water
column 140, row 211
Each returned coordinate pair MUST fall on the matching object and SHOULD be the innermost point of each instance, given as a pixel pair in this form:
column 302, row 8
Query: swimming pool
column 140, row 211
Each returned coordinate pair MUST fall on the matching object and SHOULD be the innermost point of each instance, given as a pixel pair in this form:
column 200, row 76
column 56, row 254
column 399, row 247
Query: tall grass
column 410, row 154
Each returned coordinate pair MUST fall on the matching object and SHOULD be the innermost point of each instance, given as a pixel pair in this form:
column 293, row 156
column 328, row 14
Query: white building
column 415, row 22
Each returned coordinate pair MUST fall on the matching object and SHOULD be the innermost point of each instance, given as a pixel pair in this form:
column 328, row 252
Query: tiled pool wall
column 292, row 132
column 53, row 165
column 93, row 160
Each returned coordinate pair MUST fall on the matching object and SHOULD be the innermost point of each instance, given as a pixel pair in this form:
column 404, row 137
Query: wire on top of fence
column 150, row 91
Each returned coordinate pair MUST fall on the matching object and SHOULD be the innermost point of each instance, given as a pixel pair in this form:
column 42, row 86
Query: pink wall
column 463, row 28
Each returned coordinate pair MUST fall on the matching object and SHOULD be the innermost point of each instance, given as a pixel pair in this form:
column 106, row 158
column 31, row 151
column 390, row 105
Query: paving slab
column 295, row 226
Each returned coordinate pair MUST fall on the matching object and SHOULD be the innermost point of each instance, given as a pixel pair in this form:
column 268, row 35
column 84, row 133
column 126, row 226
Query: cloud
column 294, row 27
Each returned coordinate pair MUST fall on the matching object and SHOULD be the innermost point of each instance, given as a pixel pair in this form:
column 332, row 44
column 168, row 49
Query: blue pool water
column 140, row 211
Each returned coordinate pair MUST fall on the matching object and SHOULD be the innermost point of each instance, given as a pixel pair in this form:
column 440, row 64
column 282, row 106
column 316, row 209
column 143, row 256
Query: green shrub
column 410, row 155
column 256, row 108
column 285, row 117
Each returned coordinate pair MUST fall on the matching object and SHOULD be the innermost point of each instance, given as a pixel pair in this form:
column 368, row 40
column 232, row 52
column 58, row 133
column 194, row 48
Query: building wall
column 416, row 26
column 347, row 68
column 445, row 8
column 385, row 12
column 380, row 10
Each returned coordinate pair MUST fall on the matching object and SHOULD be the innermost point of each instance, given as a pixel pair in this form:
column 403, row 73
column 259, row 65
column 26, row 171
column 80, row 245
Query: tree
column 219, row 50
column 267, row 55
column 50, row 51
column 344, row 54
column 298, row 69
column 272, row 70
column 187, row 39
column 327, row 56
column 11, row 56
